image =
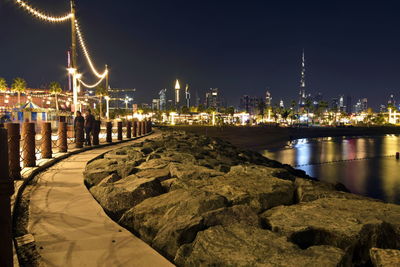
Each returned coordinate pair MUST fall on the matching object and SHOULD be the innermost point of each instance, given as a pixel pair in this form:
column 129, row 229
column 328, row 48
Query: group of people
column 88, row 123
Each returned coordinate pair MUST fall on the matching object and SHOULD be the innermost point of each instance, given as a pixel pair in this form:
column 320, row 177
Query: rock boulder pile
column 201, row 201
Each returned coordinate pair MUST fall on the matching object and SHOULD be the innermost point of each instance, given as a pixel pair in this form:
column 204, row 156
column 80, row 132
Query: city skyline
column 351, row 48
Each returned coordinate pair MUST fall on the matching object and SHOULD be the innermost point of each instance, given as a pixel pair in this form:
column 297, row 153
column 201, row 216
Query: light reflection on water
column 333, row 161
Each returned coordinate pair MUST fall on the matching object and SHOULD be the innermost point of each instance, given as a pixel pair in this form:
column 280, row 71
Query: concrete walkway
column 71, row 229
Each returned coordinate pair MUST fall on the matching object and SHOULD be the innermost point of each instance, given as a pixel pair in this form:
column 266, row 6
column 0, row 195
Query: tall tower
column 268, row 98
column 187, row 95
column 302, row 93
column 177, row 92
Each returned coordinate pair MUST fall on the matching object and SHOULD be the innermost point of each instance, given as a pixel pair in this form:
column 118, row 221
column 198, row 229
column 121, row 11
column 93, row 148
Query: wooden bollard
column 29, row 153
column 14, row 140
column 128, row 130
column 96, row 132
column 62, row 137
column 46, row 140
column 134, row 123
column 119, row 130
column 109, row 132
column 150, row 126
column 140, row 125
column 6, row 191
column 79, row 135
column 143, row 127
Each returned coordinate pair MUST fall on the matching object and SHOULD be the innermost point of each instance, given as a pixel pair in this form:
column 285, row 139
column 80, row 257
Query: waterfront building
column 213, row 99
column 155, row 104
column 357, row 107
column 268, row 99
column 364, row 104
column 250, row 104
column 335, row 104
column 391, row 101
column 163, row 99
column 342, row 107
column 361, row 106
column 348, row 105
column 197, row 99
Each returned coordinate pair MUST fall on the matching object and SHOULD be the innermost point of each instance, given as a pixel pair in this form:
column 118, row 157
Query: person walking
column 89, row 124
column 78, row 119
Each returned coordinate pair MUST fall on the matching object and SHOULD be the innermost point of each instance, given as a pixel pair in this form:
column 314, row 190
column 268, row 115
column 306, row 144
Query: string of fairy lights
column 53, row 19
column 86, row 53
column 42, row 15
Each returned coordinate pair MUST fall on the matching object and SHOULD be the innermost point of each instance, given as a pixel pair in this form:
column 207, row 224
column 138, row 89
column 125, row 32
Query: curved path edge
column 70, row 228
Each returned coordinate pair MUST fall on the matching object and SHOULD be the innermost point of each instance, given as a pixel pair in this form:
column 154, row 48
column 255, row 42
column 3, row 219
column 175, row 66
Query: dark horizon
column 239, row 47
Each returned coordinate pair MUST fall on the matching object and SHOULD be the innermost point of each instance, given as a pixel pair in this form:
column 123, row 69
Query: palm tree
column 261, row 109
column 3, row 85
column 285, row 113
column 19, row 86
column 101, row 91
column 55, row 89
column 308, row 107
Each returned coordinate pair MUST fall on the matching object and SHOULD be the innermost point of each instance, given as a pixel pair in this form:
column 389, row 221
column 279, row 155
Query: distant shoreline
column 263, row 137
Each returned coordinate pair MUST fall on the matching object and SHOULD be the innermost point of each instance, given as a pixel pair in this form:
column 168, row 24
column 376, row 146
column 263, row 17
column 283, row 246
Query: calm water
column 375, row 173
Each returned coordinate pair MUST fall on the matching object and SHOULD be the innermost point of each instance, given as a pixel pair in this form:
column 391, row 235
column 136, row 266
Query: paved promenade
column 71, row 229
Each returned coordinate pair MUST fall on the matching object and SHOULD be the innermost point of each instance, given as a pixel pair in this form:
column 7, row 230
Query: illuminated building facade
column 163, row 99
column 268, row 99
column 213, row 99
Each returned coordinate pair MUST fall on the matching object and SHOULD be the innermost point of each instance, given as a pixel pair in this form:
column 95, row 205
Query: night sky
column 241, row 47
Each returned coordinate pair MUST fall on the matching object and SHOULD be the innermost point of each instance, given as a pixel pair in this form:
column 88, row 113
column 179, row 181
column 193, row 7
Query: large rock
column 351, row 224
column 172, row 219
column 385, row 257
column 124, row 153
column 118, row 197
column 252, row 185
column 172, row 156
column 308, row 190
column 243, row 245
column 190, row 171
column 154, row 164
column 160, row 174
column 239, row 214
column 99, row 169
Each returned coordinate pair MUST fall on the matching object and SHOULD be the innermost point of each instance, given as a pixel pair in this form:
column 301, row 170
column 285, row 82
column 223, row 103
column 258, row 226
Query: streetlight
column 107, row 98
column 126, row 101
column 73, row 73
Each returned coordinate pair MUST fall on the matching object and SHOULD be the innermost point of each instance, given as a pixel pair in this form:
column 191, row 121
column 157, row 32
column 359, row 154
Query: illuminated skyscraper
column 187, row 95
column 213, row 99
column 163, row 99
column 302, row 93
column 391, row 101
column 177, row 92
column 268, row 99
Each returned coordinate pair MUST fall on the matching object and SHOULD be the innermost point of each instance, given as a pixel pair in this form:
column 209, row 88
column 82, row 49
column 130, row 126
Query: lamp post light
column 126, row 101
column 73, row 72
column 107, row 98
column 172, row 114
column 213, row 118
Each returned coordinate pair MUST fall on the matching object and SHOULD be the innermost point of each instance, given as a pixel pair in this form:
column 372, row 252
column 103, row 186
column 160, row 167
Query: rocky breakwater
column 203, row 202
